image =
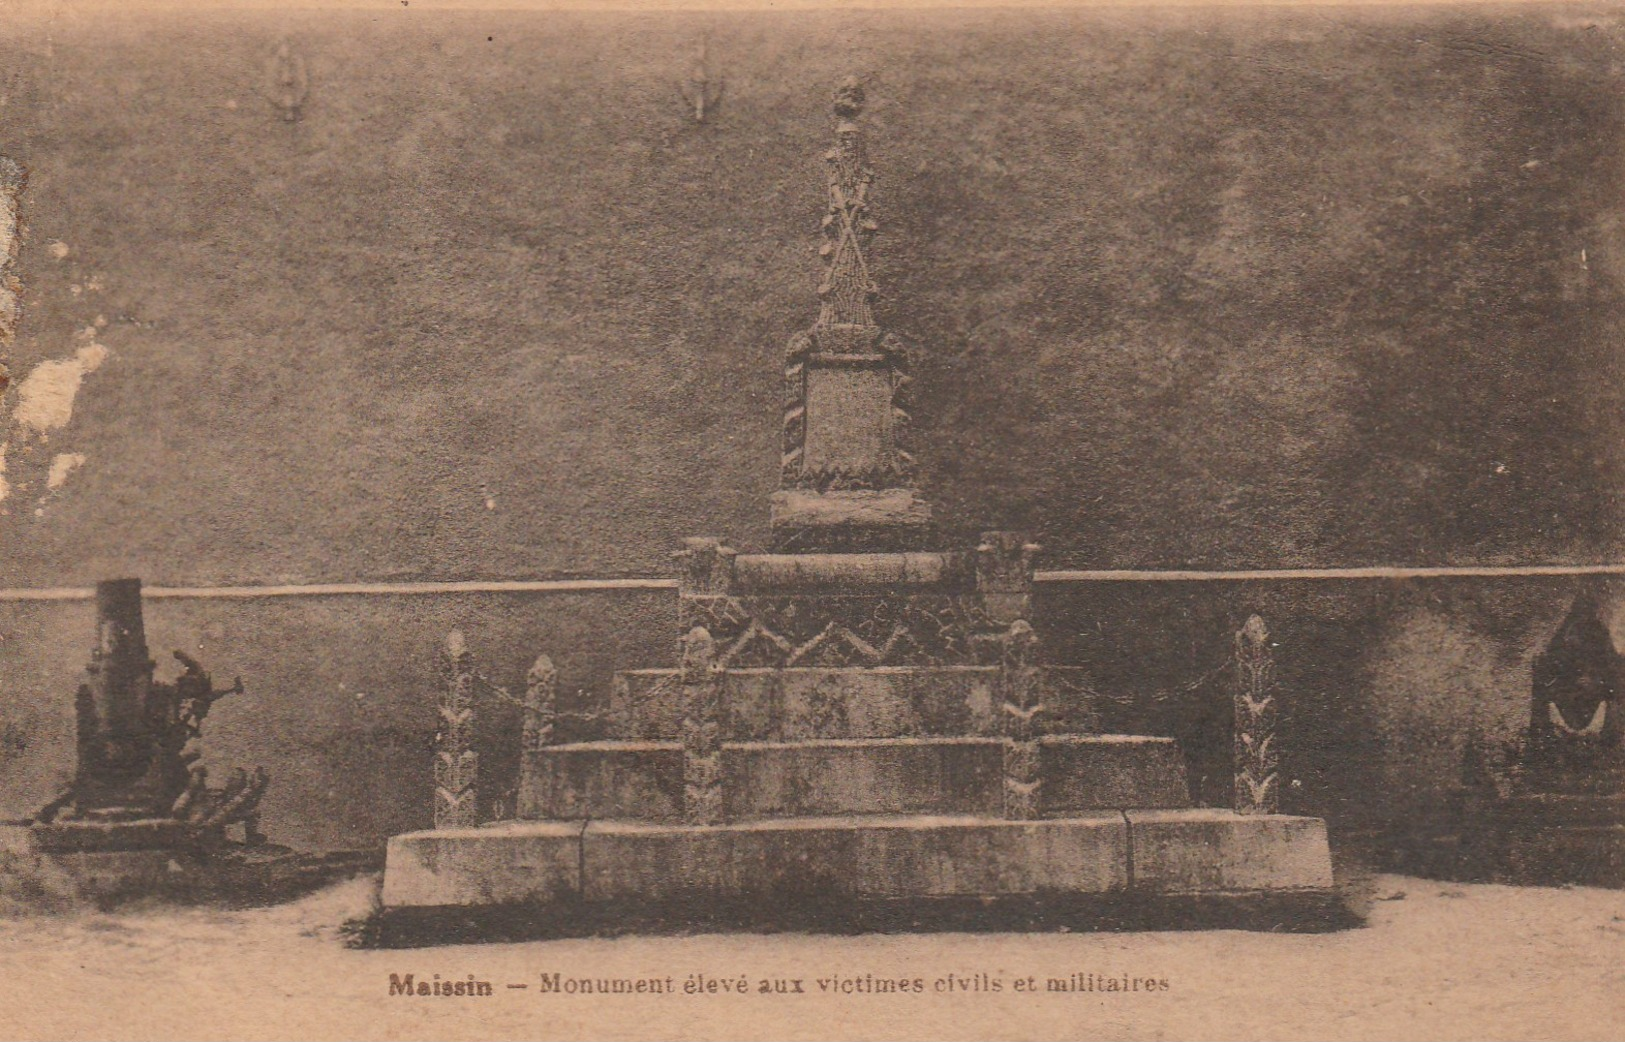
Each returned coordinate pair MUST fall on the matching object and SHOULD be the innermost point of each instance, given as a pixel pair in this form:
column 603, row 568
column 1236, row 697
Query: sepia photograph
column 733, row 519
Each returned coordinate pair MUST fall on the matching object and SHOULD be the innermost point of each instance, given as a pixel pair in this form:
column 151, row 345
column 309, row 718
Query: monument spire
column 847, row 290
column 845, row 465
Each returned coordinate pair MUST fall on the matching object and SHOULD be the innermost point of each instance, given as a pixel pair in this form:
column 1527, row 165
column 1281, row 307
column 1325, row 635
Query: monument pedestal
column 842, row 731
column 1563, row 839
column 139, row 818
column 1564, row 820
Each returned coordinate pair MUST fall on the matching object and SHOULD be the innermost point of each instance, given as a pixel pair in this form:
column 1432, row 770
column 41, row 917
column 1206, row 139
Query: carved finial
column 697, row 652
column 849, row 98
column 702, row 87
column 847, row 289
column 286, row 82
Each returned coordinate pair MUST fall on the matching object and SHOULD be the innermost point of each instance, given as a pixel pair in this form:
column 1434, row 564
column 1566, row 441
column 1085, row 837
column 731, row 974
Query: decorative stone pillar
column 456, row 764
column 1004, row 576
column 707, row 567
column 541, row 705
column 1258, row 789
column 1020, row 706
column 702, row 729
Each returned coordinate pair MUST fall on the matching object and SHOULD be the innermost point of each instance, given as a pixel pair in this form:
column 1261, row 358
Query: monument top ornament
column 848, row 290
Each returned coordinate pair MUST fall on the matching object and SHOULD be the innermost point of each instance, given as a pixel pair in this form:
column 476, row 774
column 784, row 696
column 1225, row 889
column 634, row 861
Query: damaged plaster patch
column 45, row 396
column 11, row 187
column 63, row 464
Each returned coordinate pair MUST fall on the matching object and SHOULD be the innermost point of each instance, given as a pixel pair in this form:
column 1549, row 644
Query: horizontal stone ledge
column 646, row 583
column 780, row 572
column 1150, row 853
column 898, row 508
column 849, row 359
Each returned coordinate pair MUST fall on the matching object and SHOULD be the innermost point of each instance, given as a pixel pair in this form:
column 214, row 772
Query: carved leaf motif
column 1598, row 718
column 1257, row 790
column 1025, row 715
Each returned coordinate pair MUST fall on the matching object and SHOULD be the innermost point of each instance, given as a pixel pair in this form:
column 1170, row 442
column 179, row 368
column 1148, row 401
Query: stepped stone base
column 1150, row 852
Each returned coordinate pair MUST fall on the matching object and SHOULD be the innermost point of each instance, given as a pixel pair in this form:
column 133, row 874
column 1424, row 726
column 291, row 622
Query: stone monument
column 857, row 715
column 1564, row 819
column 139, row 798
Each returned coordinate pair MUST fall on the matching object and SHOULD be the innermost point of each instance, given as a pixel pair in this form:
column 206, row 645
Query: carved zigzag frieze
column 781, row 632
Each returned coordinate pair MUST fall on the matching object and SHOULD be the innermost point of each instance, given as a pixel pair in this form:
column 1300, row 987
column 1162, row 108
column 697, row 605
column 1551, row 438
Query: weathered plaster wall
column 1256, row 288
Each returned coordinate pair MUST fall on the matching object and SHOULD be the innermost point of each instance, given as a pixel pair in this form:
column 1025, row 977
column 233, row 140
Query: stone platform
column 1139, row 852
column 1555, row 839
column 55, row 867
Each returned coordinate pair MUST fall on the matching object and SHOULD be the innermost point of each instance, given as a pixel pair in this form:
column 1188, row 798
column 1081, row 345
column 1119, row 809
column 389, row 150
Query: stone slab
column 885, row 776
column 30, row 873
column 79, row 836
column 1206, row 850
column 1112, row 772
column 890, row 857
column 512, row 862
column 1580, row 855
column 784, row 574
column 229, row 873
column 886, row 508
column 848, row 421
column 789, row 860
column 603, row 780
column 1563, row 838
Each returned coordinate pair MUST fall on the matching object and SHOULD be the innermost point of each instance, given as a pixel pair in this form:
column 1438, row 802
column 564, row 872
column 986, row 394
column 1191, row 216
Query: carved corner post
column 1258, row 789
column 1004, row 576
column 541, row 705
column 706, row 568
column 793, row 425
column 456, row 764
column 702, row 729
column 1020, row 707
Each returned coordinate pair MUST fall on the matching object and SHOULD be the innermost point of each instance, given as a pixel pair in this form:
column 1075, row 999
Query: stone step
column 804, row 703
column 1192, row 851
column 644, row 780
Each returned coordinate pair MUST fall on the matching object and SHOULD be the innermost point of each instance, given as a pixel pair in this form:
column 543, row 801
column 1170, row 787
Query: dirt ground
column 1435, row 961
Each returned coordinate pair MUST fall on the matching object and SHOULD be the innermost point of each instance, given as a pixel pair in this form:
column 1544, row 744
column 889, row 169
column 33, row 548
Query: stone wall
column 1189, row 289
